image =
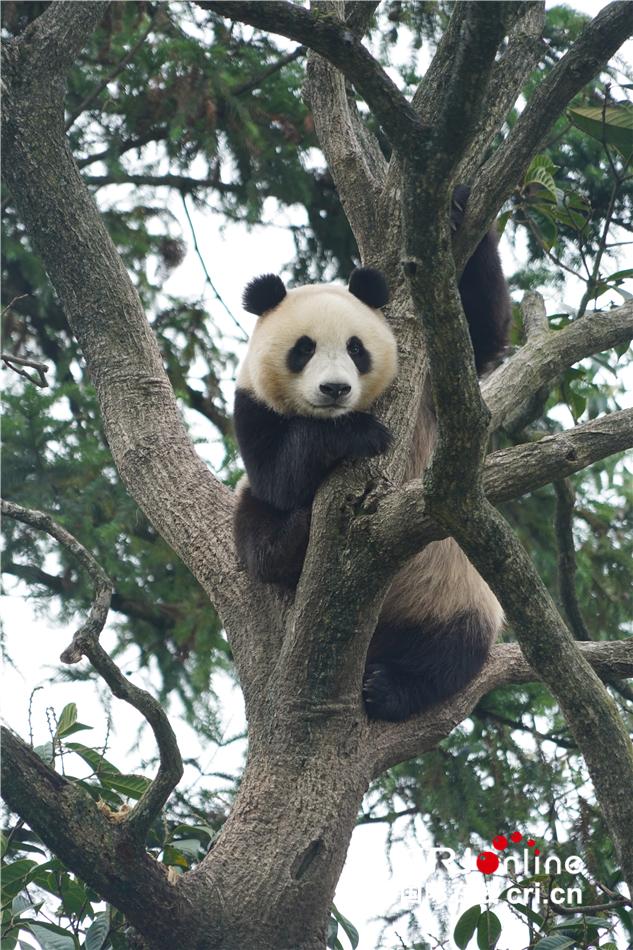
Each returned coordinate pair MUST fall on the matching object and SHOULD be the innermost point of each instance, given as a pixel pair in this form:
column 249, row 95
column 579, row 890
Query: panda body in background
column 319, row 357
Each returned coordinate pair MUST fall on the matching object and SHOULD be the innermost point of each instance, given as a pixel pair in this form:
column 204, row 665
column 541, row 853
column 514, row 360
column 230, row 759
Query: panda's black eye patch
column 358, row 353
column 300, row 354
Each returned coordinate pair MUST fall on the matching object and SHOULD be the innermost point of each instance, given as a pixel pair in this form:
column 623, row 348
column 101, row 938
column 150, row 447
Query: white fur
column 329, row 315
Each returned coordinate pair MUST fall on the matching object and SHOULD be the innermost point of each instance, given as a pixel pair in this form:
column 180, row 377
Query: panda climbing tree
column 368, row 637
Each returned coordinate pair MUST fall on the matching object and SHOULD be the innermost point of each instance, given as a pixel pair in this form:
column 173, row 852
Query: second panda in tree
column 318, row 359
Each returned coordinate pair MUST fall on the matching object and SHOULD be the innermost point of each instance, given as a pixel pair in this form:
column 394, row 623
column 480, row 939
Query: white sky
column 368, row 886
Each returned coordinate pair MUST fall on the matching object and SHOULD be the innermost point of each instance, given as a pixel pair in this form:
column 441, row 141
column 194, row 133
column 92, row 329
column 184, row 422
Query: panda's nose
column 335, row 390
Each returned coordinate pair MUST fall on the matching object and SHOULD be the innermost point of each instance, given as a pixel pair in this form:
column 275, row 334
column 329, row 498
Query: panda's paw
column 458, row 205
column 382, row 694
column 373, row 438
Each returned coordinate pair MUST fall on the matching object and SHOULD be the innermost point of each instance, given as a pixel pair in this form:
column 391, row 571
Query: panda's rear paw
column 458, row 205
column 383, row 694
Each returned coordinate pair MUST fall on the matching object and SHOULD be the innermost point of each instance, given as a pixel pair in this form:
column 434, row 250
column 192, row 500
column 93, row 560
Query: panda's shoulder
column 253, row 418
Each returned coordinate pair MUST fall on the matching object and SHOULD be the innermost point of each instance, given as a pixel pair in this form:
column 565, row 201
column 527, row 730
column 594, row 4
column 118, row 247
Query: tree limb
column 183, row 183
column 338, row 43
column 98, row 850
column 596, row 44
column 545, row 355
column 85, row 642
column 17, row 364
column 397, row 742
column 185, row 503
column 352, row 152
column 510, row 473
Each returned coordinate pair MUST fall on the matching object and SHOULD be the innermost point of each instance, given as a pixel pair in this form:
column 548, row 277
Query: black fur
column 263, row 293
column 483, row 291
column 300, row 355
column 271, row 543
column 409, row 669
column 287, row 457
column 369, row 285
column 358, row 353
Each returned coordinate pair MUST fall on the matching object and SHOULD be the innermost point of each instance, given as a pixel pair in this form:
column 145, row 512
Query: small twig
column 588, row 908
column 85, row 642
column 617, row 184
column 30, row 714
column 269, row 71
column 15, row 362
column 564, row 522
column 15, row 300
column 207, row 276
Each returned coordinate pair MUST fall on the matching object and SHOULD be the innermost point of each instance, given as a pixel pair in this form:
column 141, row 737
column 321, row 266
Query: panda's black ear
column 369, row 285
column 263, row 293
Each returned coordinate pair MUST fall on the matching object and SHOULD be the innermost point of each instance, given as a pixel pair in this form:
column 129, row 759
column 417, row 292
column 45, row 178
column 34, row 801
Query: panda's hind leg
column 410, row 668
column 271, row 543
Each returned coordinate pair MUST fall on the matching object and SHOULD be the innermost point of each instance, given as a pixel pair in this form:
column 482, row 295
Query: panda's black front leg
column 358, row 435
column 271, row 543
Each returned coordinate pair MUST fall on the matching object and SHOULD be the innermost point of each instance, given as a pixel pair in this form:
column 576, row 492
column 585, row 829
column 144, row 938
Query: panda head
column 319, row 350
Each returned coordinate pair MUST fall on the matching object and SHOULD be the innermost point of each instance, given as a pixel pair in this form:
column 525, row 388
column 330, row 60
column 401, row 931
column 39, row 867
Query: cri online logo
column 488, row 861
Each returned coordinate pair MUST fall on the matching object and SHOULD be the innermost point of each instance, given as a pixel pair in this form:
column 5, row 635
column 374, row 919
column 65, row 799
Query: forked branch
column 85, row 642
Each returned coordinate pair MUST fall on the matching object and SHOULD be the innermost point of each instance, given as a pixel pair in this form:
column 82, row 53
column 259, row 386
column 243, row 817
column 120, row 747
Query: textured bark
column 269, row 879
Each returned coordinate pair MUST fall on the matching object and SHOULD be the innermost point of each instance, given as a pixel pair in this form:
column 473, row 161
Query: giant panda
column 319, row 357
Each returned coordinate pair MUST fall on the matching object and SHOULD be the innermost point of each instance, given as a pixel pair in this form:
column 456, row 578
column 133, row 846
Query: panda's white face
column 320, row 352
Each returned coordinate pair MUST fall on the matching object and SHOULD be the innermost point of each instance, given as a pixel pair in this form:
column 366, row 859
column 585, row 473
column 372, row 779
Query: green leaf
column 544, row 225
column 74, row 896
column 488, row 930
column 97, row 932
column 94, row 759
column 554, row 942
column 332, row 932
column 14, row 877
column 45, row 752
column 543, row 178
column 466, row 926
column 131, row 785
column 350, row 930
column 51, row 937
column 502, row 220
column 612, row 125
column 67, row 718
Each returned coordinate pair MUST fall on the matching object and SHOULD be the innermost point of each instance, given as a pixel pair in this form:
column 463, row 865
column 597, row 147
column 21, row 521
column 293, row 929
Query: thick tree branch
column 149, row 444
column 546, row 354
column 523, row 51
column 511, row 473
column 597, row 43
column 337, row 42
column 397, row 742
column 406, row 525
column 99, row 851
column 85, row 642
column 183, row 183
column 352, row 152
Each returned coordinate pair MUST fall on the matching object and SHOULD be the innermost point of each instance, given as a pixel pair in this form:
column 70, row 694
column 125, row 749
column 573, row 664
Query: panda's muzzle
column 335, row 392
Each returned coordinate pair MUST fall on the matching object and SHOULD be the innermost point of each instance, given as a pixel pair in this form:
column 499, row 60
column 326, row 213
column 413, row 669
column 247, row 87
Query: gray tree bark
column 269, row 879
